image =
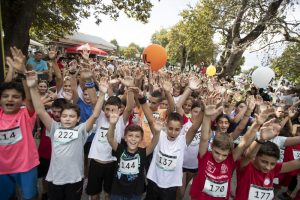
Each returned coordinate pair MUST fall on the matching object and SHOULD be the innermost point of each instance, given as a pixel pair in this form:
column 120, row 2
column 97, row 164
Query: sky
column 164, row 14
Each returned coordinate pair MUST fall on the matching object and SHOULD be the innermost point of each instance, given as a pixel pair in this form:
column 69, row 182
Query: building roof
column 82, row 38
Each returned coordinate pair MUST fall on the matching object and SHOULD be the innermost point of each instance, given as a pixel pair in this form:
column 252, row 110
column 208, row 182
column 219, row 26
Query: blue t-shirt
column 86, row 110
column 38, row 66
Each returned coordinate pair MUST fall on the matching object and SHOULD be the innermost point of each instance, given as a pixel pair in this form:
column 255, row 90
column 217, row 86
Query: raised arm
column 103, row 86
column 36, row 99
column 157, row 126
column 16, row 63
column 128, row 82
column 268, row 131
column 113, row 119
column 290, row 166
column 243, row 123
column 194, row 128
column 250, row 135
column 194, row 84
column 210, row 109
column 56, row 70
column 167, row 87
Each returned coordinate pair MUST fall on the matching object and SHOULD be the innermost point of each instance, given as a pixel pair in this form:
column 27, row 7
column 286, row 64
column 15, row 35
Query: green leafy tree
column 160, row 37
column 53, row 19
column 288, row 64
column 130, row 52
column 115, row 42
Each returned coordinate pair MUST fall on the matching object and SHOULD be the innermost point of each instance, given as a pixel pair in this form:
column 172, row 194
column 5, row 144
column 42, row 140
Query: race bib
column 196, row 139
column 262, row 193
column 101, row 134
column 215, row 189
column 166, row 162
column 65, row 135
column 296, row 154
column 10, row 136
column 281, row 157
column 129, row 166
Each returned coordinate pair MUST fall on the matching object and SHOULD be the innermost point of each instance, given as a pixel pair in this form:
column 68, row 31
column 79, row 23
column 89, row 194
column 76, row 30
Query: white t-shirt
column 100, row 148
column 190, row 160
column 166, row 165
column 66, row 164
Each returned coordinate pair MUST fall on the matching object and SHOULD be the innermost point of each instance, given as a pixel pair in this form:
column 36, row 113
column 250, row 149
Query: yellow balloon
column 211, row 70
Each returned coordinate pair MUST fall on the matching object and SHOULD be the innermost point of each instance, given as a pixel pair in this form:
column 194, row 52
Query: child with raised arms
column 129, row 178
column 65, row 175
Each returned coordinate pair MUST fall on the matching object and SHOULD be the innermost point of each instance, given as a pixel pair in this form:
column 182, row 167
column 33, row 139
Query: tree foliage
column 132, row 51
column 53, row 19
column 160, row 37
column 288, row 64
column 115, row 42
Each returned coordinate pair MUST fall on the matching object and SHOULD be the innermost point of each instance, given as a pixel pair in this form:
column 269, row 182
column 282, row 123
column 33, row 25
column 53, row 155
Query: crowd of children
column 129, row 134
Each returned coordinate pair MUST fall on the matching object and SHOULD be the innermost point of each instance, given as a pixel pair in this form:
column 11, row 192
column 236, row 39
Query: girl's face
column 187, row 106
column 223, row 125
column 42, row 87
column 67, row 86
column 176, row 92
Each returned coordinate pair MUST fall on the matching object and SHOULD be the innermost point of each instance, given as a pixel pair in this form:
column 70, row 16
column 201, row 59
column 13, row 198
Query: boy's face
column 164, row 104
column 265, row 163
column 108, row 109
column 69, row 118
column 154, row 103
column 133, row 139
column 223, row 125
column 11, row 101
column 173, row 130
column 219, row 155
column 86, row 97
column 56, row 113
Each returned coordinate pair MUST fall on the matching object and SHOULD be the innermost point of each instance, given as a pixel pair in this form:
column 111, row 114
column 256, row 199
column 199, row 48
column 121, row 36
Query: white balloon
column 262, row 76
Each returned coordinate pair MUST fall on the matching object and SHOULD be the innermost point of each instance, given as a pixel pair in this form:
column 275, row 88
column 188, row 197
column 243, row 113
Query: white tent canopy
column 35, row 43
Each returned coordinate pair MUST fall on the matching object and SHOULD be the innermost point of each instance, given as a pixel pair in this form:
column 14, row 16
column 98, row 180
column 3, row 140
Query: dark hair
column 113, row 100
column 12, row 85
column 223, row 141
column 222, row 116
column 134, row 127
column 38, row 52
column 157, row 94
column 174, row 116
column 59, row 103
column 70, row 106
column 196, row 104
column 269, row 149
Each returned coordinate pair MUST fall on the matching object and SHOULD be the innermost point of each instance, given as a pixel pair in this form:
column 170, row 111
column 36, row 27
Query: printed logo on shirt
column 101, row 134
column 196, row 139
column 281, row 155
column 166, row 162
column 296, row 154
column 10, row 136
column 210, row 167
column 224, row 169
column 267, row 181
column 64, row 136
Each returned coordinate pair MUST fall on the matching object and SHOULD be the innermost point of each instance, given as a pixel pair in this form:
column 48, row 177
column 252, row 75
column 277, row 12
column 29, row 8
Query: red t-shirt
column 213, row 179
column 254, row 183
column 45, row 144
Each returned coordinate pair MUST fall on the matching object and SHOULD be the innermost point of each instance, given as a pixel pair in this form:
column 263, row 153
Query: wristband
column 89, row 84
column 259, row 142
column 142, row 100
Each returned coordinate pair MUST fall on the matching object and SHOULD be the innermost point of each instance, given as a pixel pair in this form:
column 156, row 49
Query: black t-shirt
column 129, row 177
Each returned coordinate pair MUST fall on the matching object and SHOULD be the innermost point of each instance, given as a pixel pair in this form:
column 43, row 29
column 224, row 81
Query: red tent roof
column 93, row 50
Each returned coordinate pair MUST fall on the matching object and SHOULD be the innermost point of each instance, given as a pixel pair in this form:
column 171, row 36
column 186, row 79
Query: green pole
column 2, row 62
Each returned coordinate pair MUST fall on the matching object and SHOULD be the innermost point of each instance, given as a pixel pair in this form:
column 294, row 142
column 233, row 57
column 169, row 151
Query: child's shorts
column 27, row 181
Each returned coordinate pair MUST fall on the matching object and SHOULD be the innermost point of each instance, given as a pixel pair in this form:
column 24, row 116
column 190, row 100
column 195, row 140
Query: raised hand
column 17, row 61
column 158, row 125
column 167, row 86
column 269, row 130
column 68, row 95
column 259, row 100
column 103, row 85
column 292, row 112
column 128, row 81
column 86, row 74
column 136, row 91
column 194, row 83
column 85, row 54
column 73, row 65
column 251, row 102
column 210, row 104
column 31, row 79
column 264, row 115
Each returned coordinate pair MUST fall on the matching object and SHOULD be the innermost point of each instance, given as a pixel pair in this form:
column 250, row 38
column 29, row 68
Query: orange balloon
column 155, row 56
